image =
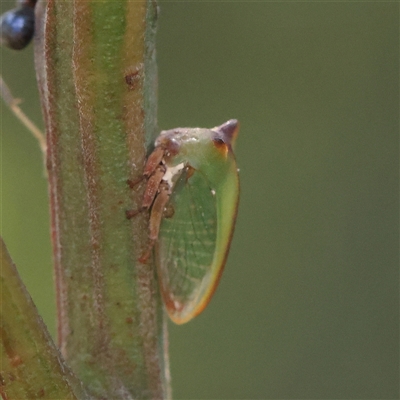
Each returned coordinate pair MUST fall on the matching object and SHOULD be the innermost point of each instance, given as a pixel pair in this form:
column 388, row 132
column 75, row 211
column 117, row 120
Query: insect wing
column 186, row 247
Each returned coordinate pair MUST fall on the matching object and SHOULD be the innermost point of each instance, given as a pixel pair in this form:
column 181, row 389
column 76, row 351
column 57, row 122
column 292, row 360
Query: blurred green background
column 308, row 306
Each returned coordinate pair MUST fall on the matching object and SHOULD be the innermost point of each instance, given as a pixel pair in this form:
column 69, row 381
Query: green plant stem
column 96, row 70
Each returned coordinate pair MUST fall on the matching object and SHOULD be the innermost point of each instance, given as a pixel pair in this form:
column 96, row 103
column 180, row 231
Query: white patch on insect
column 238, row 170
column 213, row 192
column 172, row 172
column 177, row 304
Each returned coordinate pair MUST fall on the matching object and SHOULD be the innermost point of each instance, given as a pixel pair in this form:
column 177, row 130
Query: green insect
column 192, row 193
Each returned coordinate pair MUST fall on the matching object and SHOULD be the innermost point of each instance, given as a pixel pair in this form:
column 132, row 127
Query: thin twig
column 13, row 104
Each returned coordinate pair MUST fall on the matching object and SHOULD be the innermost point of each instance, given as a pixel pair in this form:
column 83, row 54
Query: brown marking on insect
column 129, row 320
column 171, row 304
column 154, row 171
column 189, row 172
column 152, row 188
column 169, row 211
column 221, row 146
column 156, row 196
column 158, row 209
column 133, row 76
column 41, row 393
column 153, row 161
column 158, row 190
column 156, row 215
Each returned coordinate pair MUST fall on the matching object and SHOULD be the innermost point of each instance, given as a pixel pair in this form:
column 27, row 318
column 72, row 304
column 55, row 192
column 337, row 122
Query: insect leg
column 153, row 161
column 132, row 213
column 132, row 183
column 157, row 210
column 152, row 188
column 156, row 215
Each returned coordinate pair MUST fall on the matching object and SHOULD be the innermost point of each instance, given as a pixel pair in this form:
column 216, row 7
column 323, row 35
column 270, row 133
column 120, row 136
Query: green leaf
column 31, row 366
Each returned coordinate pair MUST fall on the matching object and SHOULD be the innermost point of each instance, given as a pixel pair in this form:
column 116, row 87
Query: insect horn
column 229, row 131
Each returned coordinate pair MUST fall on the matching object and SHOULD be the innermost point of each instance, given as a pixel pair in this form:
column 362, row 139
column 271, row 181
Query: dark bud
column 28, row 3
column 17, row 27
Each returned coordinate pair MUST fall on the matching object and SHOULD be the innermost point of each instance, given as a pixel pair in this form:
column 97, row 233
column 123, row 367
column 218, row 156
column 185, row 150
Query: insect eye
column 172, row 147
